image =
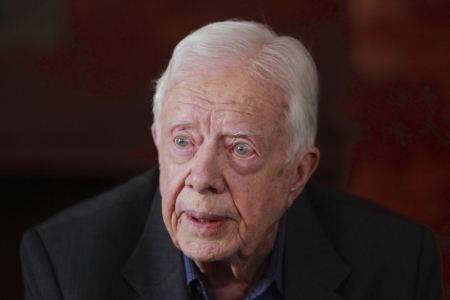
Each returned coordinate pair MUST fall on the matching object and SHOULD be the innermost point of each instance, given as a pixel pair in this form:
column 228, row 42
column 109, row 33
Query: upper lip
column 204, row 216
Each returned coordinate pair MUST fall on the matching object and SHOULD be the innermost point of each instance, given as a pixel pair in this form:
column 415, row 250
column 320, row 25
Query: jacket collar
column 312, row 268
column 155, row 268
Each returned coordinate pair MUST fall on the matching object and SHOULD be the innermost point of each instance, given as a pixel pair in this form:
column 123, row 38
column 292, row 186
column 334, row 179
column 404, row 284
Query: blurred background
column 75, row 100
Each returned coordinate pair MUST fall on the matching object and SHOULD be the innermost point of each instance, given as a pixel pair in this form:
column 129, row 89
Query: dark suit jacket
column 116, row 246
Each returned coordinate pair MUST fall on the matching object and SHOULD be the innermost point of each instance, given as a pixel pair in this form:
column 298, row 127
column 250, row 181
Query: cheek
column 169, row 200
column 261, row 198
column 171, row 182
column 168, row 204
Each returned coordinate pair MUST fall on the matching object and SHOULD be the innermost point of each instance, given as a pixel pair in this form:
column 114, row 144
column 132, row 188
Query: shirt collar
column 274, row 273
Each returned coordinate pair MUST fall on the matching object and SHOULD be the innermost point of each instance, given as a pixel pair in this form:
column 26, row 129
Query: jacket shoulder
column 84, row 247
column 380, row 245
column 339, row 210
column 111, row 222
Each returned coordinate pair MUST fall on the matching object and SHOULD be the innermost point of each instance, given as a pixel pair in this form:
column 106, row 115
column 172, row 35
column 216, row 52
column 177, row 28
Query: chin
column 206, row 251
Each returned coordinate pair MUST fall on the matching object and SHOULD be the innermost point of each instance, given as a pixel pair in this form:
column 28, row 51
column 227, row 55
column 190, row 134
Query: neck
column 233, row 282
column 236, row 277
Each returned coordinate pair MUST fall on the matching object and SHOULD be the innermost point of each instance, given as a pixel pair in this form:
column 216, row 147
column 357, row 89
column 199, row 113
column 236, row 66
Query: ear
column 303, row 167
column 155, row 135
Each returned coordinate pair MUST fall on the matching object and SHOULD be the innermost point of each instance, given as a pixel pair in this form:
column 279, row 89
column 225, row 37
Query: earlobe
column 305, row 165
column 155, row 135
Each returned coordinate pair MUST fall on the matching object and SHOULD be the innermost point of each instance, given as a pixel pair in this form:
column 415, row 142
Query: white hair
column 278, row 60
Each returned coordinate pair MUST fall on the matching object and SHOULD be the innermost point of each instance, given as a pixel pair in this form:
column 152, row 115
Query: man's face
column 224, row 181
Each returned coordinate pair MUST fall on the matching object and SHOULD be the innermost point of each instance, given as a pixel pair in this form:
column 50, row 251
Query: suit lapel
column 155, row 269
column 312, row 268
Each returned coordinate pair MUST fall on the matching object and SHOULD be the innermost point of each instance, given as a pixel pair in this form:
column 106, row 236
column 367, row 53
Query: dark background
column 75, row 102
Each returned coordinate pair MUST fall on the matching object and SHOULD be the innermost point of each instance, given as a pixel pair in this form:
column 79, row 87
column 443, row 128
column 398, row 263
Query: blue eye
column 182, row 141
column 243, row 150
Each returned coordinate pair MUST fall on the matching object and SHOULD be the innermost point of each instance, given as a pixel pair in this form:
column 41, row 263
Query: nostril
column 212, row 190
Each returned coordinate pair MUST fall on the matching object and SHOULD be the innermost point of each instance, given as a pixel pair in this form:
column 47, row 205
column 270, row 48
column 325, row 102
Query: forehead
column 227, row 92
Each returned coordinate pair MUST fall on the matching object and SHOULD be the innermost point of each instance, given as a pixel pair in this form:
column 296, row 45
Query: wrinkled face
column 224, row 181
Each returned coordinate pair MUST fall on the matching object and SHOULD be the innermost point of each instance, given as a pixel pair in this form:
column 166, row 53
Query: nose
column 206, row 171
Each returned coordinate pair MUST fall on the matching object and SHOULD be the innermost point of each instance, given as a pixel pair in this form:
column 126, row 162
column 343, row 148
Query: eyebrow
column 239, row 133
column 174, row 124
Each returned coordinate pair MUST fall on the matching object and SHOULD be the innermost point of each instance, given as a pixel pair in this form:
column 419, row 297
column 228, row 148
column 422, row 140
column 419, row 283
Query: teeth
column 203, row 220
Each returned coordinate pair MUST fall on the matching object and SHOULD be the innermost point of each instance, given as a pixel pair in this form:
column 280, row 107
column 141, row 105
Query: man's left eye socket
column 243, row 150
column 182, row 141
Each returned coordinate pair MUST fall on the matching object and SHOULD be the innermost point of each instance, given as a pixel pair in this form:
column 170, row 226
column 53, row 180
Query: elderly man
column 235, row 118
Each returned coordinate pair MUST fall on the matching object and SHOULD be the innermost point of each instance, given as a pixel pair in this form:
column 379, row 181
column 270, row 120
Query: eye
column 182, row 141
column 243, row 150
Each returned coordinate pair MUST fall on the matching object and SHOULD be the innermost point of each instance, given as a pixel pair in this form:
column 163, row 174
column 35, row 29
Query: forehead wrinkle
column 187, row 95
column 246, row 105
column 197, row 105
column 254, row 103
column 226, row 99
column 214, row 108
column 239, row 95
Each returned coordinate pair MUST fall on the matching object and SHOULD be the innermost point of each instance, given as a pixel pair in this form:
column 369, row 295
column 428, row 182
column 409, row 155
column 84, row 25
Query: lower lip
column 207, row 227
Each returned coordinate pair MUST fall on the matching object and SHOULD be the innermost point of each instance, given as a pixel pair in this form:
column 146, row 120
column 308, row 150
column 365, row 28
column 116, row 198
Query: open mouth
column 204, row 217
column 206, row 225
